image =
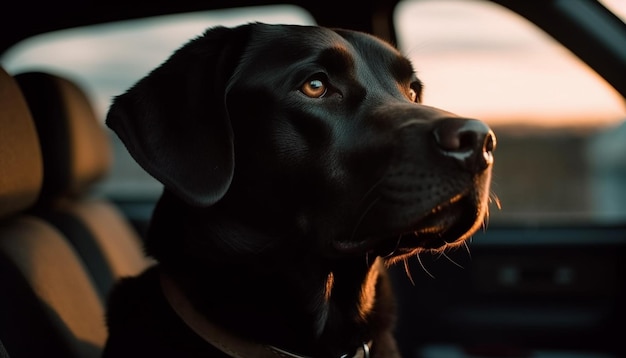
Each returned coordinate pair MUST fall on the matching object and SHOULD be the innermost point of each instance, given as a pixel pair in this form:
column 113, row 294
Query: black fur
column 280, row 211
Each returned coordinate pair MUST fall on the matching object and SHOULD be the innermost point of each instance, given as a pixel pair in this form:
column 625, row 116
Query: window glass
column 107, row 59
column 560, row 127
column 618, row 7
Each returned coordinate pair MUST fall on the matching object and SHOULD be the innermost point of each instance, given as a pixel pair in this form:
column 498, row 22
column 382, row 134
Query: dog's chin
column 444, row 227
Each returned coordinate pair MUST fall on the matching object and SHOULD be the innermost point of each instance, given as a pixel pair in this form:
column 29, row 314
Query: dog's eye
column 415, row 91
column 314, row 88
column 413, row 95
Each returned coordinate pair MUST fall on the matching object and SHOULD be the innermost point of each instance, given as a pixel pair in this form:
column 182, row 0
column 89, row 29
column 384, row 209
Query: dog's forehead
column 280, row 46
column 293, row 40
column 379, row 52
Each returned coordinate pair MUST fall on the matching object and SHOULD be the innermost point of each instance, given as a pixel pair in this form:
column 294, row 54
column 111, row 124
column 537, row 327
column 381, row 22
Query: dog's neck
column 290, row 299
column 223, row 340
column 313, row 316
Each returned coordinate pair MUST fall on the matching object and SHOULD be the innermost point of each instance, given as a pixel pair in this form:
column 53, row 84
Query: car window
column 618, row 7
column 560, row 126
column 107, row 59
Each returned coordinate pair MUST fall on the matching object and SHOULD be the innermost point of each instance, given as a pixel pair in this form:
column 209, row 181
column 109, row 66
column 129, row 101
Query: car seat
column 76, row 156
column 49, row 306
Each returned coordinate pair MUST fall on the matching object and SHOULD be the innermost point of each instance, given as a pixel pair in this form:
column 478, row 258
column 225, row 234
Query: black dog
column 297, row 162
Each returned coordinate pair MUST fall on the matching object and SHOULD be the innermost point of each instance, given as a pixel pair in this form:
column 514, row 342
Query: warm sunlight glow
column 478, row 59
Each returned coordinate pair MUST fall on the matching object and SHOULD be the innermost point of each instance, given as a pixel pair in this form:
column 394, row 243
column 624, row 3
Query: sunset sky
column 486, row 62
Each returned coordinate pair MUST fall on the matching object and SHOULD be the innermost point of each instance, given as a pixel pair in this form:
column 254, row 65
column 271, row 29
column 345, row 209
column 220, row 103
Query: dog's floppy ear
column 174, row 121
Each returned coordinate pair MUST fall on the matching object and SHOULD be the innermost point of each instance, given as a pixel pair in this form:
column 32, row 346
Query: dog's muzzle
column 434, row 194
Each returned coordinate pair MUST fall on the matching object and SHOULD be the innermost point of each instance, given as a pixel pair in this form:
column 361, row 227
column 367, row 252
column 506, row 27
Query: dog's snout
column 469, row 141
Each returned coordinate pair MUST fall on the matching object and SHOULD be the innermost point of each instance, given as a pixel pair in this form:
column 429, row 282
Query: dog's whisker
column 371, row 189
column 422, row 265
column 408, row 271
column 485, row 222
column 369, row 206
column 469, row 253
column 454, row 262
column 358, row 223
column 493, row 198
column 395, row 248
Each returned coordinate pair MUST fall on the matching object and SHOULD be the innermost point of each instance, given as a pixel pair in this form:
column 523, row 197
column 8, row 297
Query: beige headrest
column 76, row 149
column 21, row 167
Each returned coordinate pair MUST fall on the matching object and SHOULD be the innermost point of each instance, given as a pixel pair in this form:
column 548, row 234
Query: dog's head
column 315, row 138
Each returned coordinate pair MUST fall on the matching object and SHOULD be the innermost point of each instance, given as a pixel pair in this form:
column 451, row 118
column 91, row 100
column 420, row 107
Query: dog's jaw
column 446, row 226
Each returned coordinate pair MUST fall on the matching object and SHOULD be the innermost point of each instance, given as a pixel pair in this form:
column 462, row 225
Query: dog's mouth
column 447, row 225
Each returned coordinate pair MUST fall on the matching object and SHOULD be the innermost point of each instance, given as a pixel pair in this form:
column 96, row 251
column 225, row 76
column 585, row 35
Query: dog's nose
column 469, row 141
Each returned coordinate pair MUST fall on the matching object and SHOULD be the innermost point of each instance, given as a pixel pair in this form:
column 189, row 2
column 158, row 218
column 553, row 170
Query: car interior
column 544, row 277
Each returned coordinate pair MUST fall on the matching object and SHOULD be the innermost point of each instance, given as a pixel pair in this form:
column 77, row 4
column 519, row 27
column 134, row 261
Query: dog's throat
column 225, row 341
